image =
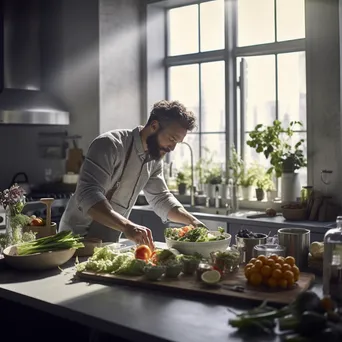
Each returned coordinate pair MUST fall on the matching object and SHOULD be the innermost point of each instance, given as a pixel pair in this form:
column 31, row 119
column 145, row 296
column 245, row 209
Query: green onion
column 62, row 240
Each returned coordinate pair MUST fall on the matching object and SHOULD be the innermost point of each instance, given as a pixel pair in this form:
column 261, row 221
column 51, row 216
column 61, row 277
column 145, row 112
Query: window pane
column 260, row 91
column 212, row 25
column 213, row 97
column 290, row 19
column 292, row 88
column 255, row 22
column 184, row 86
column 251, row 156
column 183, row 30
column 216, row 145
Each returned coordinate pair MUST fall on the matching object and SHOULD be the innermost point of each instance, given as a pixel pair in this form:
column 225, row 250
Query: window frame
column 234, row 130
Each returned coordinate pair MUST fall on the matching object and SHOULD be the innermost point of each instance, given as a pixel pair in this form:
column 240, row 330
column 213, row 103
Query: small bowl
column 290, row 214
column 89, row 245
column 38, row 261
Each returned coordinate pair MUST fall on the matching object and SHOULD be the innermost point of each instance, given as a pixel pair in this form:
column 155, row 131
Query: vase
column 13, row 227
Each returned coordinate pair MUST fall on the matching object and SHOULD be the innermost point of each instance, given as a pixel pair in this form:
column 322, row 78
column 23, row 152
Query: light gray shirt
column 103, row 167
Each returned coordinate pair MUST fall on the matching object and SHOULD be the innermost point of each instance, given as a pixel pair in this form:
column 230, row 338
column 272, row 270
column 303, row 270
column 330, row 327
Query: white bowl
column 37, row 261
column 203, row 248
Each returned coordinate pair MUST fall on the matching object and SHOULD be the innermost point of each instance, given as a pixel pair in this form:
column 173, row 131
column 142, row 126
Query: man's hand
column 139, row 234
column 197, row 223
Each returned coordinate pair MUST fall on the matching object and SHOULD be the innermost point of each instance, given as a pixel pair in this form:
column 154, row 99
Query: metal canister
column 297, row 243
column 269, row 250
column 246, row 246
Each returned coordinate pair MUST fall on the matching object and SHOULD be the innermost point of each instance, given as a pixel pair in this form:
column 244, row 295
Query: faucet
column 192, row 194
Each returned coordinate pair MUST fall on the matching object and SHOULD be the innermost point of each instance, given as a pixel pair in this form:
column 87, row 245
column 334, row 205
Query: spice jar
column 202, row 267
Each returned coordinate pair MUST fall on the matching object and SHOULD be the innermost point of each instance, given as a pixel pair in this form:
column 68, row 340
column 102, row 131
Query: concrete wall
column 324, row 93
column 91, row 61
column 120, row 63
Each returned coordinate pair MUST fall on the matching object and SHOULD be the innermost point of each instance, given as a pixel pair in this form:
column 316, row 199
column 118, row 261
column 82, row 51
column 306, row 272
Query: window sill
column 260, row 205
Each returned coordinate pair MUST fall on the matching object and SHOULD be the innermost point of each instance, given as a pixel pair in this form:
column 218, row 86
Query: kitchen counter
column 241, row 218
column 130, row 313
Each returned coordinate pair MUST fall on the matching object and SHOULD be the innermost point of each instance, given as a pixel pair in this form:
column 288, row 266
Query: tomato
column 218, row 269
column 37, row 222
column 143, row 252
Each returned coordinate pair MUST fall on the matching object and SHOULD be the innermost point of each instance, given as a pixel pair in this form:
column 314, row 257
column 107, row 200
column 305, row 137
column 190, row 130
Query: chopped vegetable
column 60, row 241
column 192, row 234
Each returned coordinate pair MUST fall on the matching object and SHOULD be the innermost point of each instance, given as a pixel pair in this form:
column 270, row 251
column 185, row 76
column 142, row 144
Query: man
column 121, row 163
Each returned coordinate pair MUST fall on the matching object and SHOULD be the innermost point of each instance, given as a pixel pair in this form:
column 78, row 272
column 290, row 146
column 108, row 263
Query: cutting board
column 189, row 286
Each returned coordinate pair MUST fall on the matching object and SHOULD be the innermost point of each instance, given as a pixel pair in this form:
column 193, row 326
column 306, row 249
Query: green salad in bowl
column 189, row 240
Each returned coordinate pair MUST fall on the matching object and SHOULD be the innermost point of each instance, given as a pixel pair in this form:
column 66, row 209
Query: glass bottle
column 332, row 262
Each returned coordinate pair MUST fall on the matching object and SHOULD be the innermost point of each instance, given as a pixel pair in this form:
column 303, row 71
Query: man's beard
column 154, row 149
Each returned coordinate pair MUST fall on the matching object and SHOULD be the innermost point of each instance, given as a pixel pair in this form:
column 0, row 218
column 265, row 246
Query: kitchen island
column 128, row 314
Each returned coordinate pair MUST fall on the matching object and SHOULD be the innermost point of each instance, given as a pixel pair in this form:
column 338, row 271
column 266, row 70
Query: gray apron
column 98, row 230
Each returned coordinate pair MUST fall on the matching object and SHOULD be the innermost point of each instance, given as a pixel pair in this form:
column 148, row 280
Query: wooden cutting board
column 189, row 286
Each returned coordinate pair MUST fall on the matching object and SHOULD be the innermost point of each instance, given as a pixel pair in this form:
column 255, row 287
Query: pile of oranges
column 273, row 271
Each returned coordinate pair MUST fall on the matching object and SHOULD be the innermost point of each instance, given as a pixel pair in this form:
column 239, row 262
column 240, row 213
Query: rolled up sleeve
column 95, row 174
column 158, row 195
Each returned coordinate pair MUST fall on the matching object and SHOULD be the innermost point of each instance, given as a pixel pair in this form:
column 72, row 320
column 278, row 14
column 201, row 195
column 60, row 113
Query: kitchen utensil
column 203, row 248
column 297, row 243
column 246, row 246
column 38, row 261
column 269, row 249
column 290, row 214
column 48, row 203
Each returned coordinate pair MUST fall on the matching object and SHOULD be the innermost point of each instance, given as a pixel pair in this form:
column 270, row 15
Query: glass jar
column 332, row 262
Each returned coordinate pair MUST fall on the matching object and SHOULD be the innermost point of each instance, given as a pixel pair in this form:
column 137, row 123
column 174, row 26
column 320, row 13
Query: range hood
column 22, row 100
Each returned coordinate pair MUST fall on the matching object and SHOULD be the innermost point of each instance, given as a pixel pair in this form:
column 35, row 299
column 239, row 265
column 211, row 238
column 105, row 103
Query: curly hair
column 166, row 112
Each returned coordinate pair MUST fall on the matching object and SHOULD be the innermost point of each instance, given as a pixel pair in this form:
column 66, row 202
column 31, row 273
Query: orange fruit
column 296, row 277
column 274, row 257
column 288, row 275
column 263, row 258
column 281, row 260
column 277, row 266
column 295, row 270
column 282, row 283
column 270, row 262
column 265, row 280
column 290, row 282
column 290, row 260
column 247, row 271
column 286, row 267
column 255, row 279
column 277, row 274
column 249, row 265
column 252, row 261
column 272, row 282
column 266, row 271
column 258, row 264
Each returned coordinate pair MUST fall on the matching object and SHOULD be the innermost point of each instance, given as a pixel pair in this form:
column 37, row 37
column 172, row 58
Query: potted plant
column 213, row 181
column 285, row 157
column 182, row 182
column 246, row 181
column 263, row 182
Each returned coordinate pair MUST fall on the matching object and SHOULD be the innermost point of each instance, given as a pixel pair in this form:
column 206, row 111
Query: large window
column 263, row 42
column 270, row 68
column 196, row 75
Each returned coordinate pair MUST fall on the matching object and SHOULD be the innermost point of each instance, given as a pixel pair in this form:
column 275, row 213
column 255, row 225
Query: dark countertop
column 125, row 312
column 241, row 218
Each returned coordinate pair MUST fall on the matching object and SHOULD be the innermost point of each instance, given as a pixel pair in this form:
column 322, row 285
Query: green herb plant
column 275, row 143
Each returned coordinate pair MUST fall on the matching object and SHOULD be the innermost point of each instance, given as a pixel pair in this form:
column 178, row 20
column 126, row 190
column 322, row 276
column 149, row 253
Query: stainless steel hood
column 22, row 99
